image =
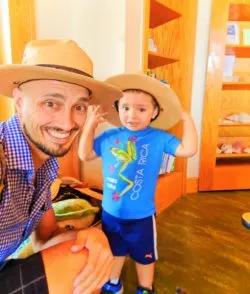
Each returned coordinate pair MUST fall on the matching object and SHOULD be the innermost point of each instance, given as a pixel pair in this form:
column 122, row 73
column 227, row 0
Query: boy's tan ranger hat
column 169, row 104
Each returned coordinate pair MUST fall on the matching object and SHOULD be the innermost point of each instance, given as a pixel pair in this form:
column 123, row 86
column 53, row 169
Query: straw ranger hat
column 61, row 60
column 170, row 108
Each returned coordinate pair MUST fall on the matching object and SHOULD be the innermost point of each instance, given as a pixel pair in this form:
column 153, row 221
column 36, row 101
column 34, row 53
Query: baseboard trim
column 192, row 185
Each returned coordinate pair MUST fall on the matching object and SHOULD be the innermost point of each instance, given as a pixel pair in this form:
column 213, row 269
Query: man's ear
column 18, row 100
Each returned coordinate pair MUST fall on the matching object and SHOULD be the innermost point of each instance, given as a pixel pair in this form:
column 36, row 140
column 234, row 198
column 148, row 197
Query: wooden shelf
column 239, row 12
column 234, row 130
column 168, row 184
column 240, row 51
column 236, row 86
column 156, row 59
column 160, row 13
column 233, row 155
column 226, row 171
column 231, row 176
column 235, row 125
column 175, row 42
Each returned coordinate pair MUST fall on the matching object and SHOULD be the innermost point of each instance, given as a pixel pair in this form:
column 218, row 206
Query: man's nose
column 67, row 122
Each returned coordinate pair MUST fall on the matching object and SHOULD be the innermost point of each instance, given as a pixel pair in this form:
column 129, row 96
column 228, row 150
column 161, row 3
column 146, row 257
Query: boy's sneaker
column 110, row 288
column 141, row 290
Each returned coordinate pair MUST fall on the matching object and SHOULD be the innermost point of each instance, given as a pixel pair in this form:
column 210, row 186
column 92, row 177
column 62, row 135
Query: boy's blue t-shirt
column 131, row 165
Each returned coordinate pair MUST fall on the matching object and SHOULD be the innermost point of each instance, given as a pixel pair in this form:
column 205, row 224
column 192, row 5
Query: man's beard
column 43, row 148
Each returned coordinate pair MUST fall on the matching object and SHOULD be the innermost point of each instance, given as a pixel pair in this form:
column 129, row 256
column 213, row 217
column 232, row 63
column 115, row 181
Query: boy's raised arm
column 86, row 144
column 188, row 146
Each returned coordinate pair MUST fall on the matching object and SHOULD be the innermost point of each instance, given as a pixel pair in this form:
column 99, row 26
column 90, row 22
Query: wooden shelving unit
column 225, row 171
column 236, row 86
column 156, row 15
column 233, row 155
column 156, row 59
column 239, row 12
column 161, row 13
column 168, row 23
column 235, row 125
column 169, row 182
column 225, row 176
column 234, row 130
column 237, row 50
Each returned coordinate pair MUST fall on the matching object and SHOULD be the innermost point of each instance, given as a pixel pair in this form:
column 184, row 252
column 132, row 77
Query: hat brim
column 169, row 103
column 11, row 75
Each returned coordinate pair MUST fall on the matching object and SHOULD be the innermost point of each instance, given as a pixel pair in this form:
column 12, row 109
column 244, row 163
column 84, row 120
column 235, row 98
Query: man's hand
column 99, row 263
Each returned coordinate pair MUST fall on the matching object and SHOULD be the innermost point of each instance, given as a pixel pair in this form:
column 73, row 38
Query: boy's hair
column 155, row 102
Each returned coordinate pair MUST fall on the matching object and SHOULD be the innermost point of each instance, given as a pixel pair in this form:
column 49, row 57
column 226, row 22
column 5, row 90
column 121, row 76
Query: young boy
column 132, row 156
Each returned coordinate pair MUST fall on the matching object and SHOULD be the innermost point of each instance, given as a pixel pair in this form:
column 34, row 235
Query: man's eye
column 81, row 108
column 50, row 104
column 142, row 109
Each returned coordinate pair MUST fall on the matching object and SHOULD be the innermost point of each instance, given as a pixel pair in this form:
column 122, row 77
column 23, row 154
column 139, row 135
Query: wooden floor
column 202, row 246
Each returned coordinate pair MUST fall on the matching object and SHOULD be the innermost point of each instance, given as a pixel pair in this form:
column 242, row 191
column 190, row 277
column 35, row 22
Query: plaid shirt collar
column 17, row 148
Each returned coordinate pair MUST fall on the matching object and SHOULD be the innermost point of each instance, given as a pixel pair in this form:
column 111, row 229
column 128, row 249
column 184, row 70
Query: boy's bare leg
column 117, row 267
column 145, row 273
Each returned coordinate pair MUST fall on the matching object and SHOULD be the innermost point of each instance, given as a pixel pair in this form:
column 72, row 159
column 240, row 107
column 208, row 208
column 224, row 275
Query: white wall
column 98, row 26
column 200, row 63
column 133, row 35
column 110, row 31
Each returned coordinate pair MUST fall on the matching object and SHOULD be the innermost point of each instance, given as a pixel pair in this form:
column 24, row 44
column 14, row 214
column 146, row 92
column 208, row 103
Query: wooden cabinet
column 21, row 30
column 223, row 98
column 172, row 26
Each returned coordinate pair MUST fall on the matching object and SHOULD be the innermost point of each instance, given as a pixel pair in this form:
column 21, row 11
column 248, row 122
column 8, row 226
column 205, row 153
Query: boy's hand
column 95, row 117
column 86, row 144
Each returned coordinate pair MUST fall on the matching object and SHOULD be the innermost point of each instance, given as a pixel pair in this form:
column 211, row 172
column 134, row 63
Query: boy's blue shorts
column 133, row 237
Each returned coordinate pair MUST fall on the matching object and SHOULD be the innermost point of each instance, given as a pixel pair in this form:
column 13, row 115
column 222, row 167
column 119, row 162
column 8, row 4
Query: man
column 51, row 89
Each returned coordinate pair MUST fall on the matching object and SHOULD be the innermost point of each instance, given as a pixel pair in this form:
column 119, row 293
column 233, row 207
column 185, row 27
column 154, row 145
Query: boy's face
column 136, row 109
column 51, row 114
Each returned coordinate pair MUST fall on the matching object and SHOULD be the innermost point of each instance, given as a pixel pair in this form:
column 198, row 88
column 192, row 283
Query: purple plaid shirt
column 23, row 204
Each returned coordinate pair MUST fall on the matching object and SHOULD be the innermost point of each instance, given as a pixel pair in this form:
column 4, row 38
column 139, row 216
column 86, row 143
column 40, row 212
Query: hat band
column 66, row 68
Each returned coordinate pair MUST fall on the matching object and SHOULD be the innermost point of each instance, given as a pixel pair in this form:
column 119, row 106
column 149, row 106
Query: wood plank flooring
column 202, row 246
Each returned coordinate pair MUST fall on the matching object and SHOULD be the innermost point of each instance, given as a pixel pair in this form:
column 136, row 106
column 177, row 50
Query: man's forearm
column 58, row 236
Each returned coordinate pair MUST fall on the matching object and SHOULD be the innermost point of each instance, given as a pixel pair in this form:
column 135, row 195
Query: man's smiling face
column 51, row 114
